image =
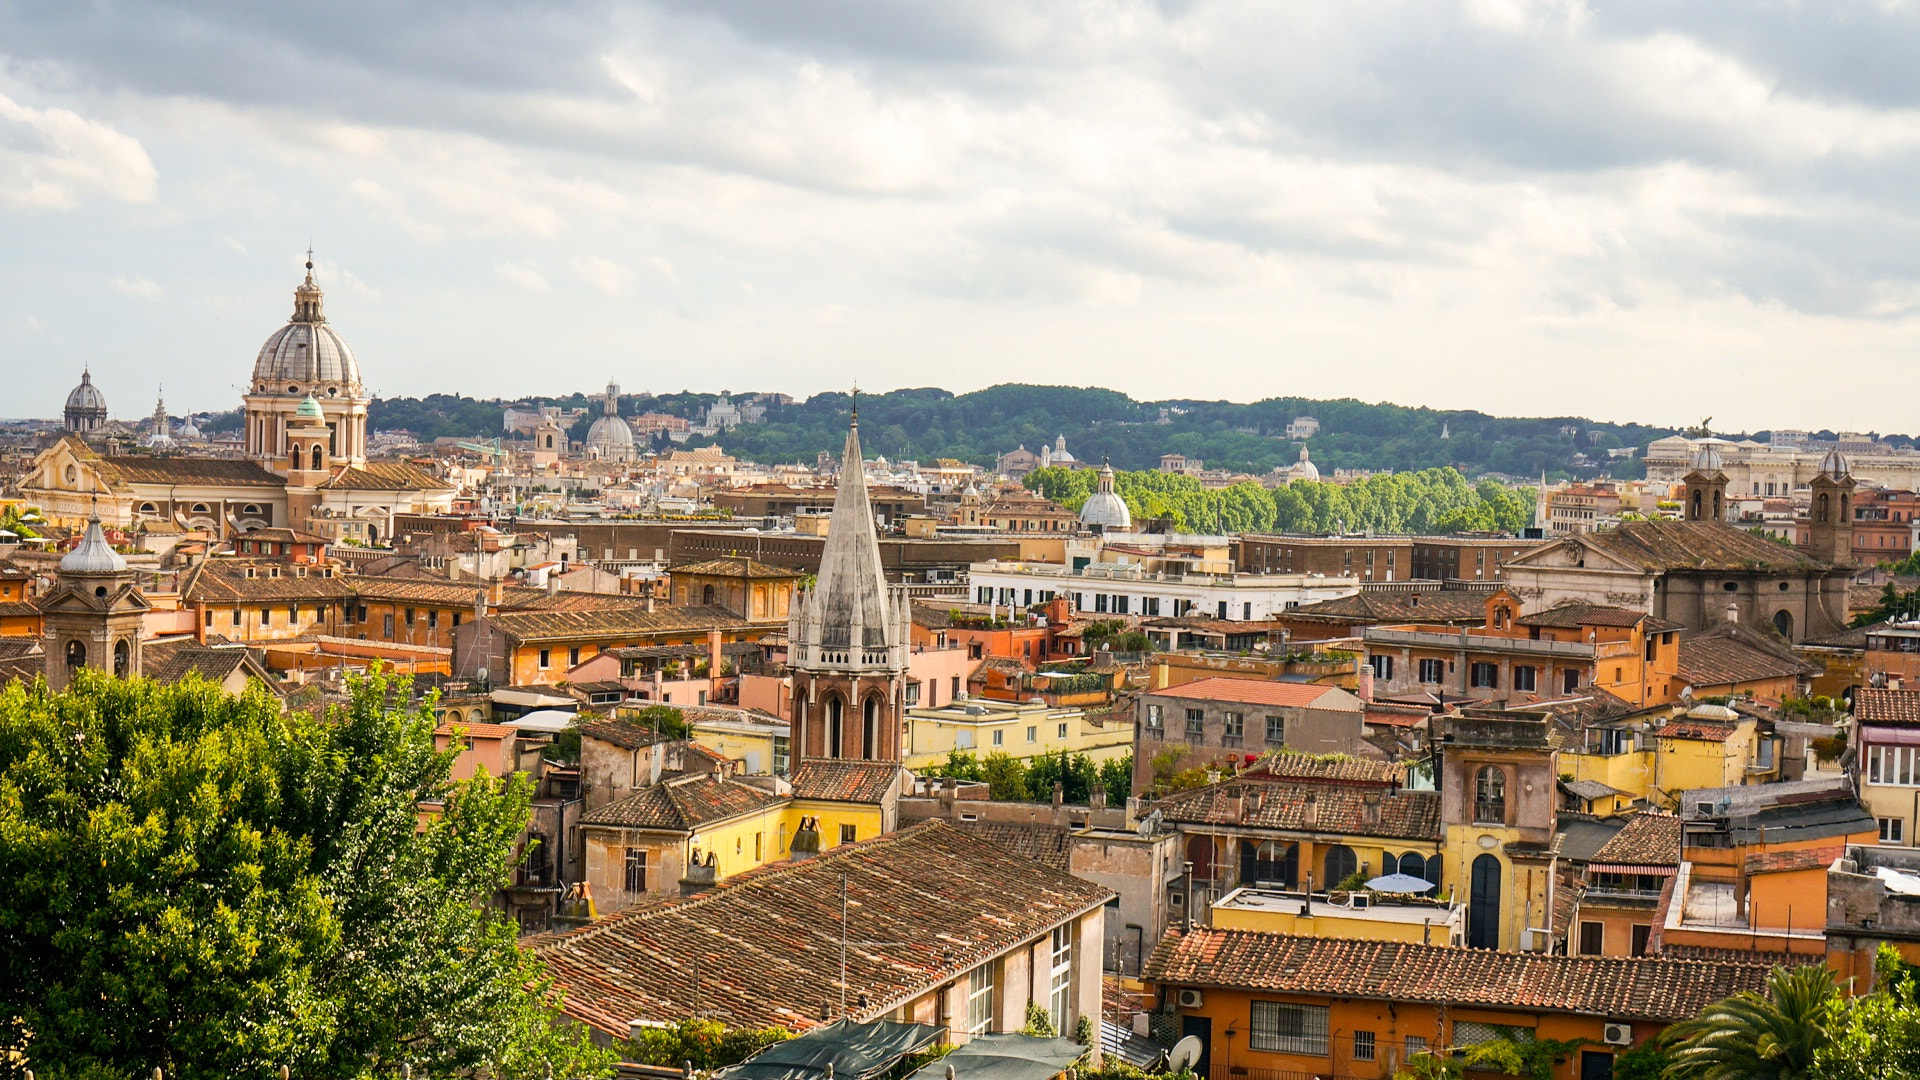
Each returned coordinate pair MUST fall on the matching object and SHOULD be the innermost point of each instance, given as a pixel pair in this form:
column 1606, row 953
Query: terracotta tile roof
column 225, row 581
column 928, row 903
column 1574, row 614
column 1044, row 844
column 171, row 661
column 1730, row 654
column 1696, row 729
column 1896, row 708
column 1776, row 862
column 18, row 609
column 636, row 622
column 683, row 804
column 1253, row 692
column 1647, row 839
column 1339, row 808
column 187, row 471
column 1295, row 766
column 540, row 600
column 1449, row 606
column 384, row 476
column 621, row 733
column 478, row 730
column 845, row 781
column 1694, row 545
column 1626, row 988
column 735, row 566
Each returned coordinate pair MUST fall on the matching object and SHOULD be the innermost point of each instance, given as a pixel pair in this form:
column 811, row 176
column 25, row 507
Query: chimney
column 1370, row 807
column 553, row 583
column 1366, row 681
column 713, row 665
column 200, row 623
column 1059, row 794
column 1098, row 796
column 1256, row 797
column 496, row 591
column 1310, row 814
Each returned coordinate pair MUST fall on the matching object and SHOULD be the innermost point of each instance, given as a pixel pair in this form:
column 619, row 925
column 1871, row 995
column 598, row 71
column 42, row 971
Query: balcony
column 1491, row 643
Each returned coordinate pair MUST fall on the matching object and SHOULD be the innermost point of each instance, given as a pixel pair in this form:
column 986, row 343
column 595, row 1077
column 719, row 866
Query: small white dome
column 1104, row 509
column 94, row 555
column 1305, row 469
column 1707, row 459
column 609, row 434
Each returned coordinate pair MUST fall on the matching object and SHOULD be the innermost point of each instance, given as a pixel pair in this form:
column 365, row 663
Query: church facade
column 305, row 465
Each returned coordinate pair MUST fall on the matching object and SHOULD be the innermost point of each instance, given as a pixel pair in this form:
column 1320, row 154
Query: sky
column 1654, row 211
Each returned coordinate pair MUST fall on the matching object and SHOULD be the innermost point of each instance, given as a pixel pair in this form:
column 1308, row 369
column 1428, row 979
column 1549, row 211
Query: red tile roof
column 478, row 730
column 1696, row 729
column 1282, row 805
column 682, row 805
column 1891, row 707
column 845, row 781
column 1290, row 765
column 926, row 904
column 1777, row 862
column 1626, row 988
column 1574, row 614
column 1647, row 839
column 1249, row 691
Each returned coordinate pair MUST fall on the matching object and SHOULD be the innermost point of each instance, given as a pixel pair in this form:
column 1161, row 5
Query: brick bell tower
column 848, row 636
column 1830, row 513
column 93, row 616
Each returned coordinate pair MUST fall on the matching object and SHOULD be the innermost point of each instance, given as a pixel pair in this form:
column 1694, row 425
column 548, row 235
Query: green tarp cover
column 1006, row 1057
column 853, row 1050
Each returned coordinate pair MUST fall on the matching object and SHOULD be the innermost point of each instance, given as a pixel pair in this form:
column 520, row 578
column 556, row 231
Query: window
column 409, row 616
column 236, row 616
column 573, row 656
column 1892, row 765
column 546, row 655
column 1893, row 830
column 1490, row 796
column 1523, row 677
column 1063, row 731
column 999, row 737
column 980, row 999
column 1416, row 1044
column 1289, row 1028
column 1473, row 1033
column 913, row 692
column 781, row 751
column 1060, row 980
column 266, row 617
column 1154, row 722
column 1382, row 666
column 1593, row 937
column 1484, row 676
column 636, row 870
column 956, row 688
column 1235, row 727
column 846, row 834
column 1363, row 1044
column 386, row 625
column 1276, row 731
column 1341, row 864
column 1033, row 733
column 433, row 620
column 1641, row 933
column 293, row 615
column 1613, row 740
column 1196, row 723
column 1433, row 671
column 1569, row 681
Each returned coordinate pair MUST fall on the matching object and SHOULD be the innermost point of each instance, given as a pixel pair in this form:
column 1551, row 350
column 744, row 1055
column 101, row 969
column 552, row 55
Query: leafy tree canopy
column 206, row 884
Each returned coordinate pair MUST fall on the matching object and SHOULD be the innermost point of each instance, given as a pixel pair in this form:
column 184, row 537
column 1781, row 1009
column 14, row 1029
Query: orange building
column 1272, row 1005
column 19, row 617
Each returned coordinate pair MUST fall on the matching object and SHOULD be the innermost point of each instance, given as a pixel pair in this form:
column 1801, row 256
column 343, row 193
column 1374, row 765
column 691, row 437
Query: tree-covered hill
column 1106, row 425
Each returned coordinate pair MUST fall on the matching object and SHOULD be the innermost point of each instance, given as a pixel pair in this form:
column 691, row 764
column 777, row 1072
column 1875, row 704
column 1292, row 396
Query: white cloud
column 54, row 159
column 603, row 274
column 145, row 288
column 524, row 276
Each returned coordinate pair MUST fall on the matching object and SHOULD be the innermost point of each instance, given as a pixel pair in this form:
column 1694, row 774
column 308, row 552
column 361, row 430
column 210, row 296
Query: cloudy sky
column 1653, row 211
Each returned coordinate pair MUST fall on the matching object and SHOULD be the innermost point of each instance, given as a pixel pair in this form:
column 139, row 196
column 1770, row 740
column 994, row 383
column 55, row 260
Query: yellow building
column 1498, row 802
column 1712, row 746
column 1019, row 729
column 1372, row 918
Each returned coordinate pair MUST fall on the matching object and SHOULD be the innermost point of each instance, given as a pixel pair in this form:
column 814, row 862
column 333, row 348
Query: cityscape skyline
column 1128, row 196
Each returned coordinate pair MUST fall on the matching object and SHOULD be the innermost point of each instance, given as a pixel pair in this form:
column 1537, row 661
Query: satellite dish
column 1185, row 1054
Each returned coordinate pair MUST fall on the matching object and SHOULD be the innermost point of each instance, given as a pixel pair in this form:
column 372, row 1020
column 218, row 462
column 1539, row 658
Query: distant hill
column 1104, row 425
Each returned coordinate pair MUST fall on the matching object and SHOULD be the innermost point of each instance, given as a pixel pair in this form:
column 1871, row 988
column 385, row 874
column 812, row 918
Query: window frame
column 1303, row 1036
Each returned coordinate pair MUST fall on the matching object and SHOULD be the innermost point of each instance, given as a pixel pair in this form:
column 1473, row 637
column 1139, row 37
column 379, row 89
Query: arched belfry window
column 76, row 655
column 122, row 659
column 1490, row 795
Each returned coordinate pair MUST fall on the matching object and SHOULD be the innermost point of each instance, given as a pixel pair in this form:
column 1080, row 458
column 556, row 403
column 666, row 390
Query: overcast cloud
column 1651, row 211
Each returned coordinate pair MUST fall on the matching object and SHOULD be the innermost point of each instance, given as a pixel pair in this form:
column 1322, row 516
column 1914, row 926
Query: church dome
column 1305, row 469
column 1834, row 466
column 1707, row 459
column 87, row 396
column 306, row 355
column 1104, row 509
column 310, row 410
column 609, row 434
column 94, row 555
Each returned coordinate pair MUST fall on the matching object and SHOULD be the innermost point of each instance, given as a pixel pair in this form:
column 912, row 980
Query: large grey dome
column 306, row 356
column 87, row 395
column 1104, row 510
column 608, row 435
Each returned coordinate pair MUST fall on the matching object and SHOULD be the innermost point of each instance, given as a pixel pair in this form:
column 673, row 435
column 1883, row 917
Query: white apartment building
column 1131, row 589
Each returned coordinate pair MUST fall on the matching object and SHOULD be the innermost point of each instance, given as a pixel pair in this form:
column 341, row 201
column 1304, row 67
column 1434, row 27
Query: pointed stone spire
column 850, row 594
column 1540, row 504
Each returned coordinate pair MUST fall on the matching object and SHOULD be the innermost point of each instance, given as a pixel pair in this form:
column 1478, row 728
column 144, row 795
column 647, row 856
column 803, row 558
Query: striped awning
column 1631, row 868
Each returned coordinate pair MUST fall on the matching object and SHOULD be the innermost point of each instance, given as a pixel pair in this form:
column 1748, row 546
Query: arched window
column 1200, row 854
column 836, row 718
column 122, row 659
column 1698, row 502
column 1340, row 864
column 1483, row 904
column 1821, row 509
column 1490, row 796
column 1269, row 860
column 870, row 728
column 76, row 655
column 706, row 594
column 1783, row 622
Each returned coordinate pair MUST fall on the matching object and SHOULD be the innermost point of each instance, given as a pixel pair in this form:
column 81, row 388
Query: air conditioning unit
column 1191, row 999
column 1361, row 901
column 1617, row 1034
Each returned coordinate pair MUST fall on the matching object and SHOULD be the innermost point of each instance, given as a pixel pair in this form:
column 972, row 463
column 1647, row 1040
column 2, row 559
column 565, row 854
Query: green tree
column 1877, row 1035
column 1753, row 1036
column 1116, row 775
column 1074, row 773
column 1006, row 777
column 207, row 884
